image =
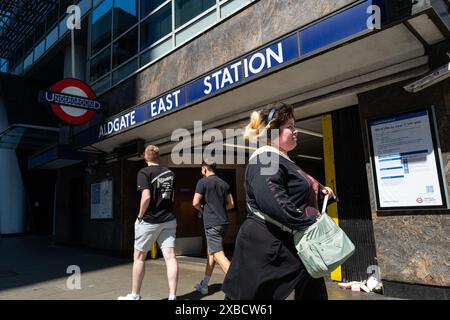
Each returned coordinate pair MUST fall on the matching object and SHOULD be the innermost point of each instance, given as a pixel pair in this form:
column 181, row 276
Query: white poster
column 102, row 200
column 405, row 161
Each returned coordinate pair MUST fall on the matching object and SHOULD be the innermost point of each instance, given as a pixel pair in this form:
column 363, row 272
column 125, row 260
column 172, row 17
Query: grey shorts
column 146, row 233
column 214, row 238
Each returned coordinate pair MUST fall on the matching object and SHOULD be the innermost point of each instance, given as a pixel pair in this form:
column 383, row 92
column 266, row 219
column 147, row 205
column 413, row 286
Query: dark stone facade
column 412, row 247
column 249, row 29
column 255, row 26
column 73, row 222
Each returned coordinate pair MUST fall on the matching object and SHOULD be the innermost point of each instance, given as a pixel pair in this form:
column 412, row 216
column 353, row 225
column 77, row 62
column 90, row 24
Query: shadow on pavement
column 195, row 295
column 27, row 260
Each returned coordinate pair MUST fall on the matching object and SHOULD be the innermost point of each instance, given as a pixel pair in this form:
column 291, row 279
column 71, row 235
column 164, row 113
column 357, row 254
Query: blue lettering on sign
column 215, row 81
column 122, row 122
column 253, row 64
column 169, row 102
column 330, row 31
column 270, row 57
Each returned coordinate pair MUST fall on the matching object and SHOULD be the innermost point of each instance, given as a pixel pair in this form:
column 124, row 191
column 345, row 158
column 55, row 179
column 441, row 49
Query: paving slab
column 33, row 268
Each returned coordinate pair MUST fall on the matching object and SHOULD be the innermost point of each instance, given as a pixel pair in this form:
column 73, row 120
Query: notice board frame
column 110, row 188
column 437, row 157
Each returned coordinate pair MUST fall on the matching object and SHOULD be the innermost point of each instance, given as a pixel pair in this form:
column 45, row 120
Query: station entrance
column 330, row 149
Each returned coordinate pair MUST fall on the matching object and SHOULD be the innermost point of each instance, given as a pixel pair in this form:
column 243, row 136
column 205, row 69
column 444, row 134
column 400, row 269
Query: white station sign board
column 405, row 163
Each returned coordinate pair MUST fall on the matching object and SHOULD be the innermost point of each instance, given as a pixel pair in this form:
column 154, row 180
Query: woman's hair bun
column 255, row 126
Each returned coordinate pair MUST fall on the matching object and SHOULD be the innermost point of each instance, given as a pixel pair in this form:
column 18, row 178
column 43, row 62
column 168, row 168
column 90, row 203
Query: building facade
column 371, row 102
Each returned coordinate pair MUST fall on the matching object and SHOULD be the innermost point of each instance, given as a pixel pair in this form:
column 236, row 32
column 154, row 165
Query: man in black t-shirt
column 217, row 199
column 155, row 222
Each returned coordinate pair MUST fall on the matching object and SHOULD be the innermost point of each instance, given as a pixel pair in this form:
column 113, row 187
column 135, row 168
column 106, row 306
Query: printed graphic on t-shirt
column 159, row 181
column 164, row 183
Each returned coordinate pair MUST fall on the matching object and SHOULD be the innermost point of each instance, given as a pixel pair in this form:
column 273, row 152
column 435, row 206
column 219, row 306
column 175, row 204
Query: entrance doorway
column 190, row 231
column 189, row 226
column 309, row 151
column 330, row 149
column 40, row 194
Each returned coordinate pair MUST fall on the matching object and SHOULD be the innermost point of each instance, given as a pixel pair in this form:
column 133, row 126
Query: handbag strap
column 325, row 202
column 265, row 217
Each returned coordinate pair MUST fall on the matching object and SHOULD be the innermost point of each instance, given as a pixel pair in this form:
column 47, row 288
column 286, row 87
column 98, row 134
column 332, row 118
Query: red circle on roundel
column 58, row 109
column 419, row 200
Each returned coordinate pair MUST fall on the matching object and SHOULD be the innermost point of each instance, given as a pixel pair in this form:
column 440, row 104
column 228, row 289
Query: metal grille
column 17, row 19
column 355, row 216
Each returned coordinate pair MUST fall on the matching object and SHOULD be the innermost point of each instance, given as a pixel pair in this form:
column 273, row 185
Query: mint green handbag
column 322, row 247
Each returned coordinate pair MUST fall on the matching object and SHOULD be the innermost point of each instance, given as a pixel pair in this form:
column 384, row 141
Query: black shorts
column 214, row 238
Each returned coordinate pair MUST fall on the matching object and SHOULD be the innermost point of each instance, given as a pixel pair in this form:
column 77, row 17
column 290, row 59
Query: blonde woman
column 265, row 264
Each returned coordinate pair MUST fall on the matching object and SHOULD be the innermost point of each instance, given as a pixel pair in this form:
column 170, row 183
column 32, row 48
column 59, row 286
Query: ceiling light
column 434, row 77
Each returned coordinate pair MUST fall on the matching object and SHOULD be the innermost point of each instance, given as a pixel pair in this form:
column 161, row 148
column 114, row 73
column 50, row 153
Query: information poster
column 102, row 200
column 405, row 162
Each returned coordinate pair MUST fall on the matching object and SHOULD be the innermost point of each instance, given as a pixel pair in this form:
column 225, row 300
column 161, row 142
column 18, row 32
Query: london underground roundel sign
column 72, row 101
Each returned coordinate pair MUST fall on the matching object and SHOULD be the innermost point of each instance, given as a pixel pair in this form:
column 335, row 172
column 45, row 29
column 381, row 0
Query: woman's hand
column 328, row 191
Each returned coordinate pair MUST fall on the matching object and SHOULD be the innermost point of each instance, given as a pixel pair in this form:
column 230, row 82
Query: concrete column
column 12, row 191
column 80, row 62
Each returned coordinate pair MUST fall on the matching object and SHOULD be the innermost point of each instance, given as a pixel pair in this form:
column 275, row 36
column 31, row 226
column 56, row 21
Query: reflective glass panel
column 156, row 26
column 101, row 26
column 52, row 16
column 63, row 5
column 125, row 70
column 102, row 85
column 186, row 10
column 101, row 64
column 156, row 52
column 148, row 6
column 125, row 15
column 40, row 30
column 125, row 47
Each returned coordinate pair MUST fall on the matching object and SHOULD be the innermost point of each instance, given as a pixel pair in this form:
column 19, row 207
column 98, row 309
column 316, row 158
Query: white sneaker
column 201, row 288
column 130, row 296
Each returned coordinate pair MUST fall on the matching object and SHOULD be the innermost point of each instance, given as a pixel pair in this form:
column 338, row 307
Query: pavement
column 34, row 268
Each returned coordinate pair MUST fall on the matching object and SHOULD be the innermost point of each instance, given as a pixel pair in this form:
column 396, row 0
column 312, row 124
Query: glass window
column 125, row 47
column 51, row 37
column 101, row 86
column 186, row 10
column 101, row 26
column 196, row 27
column 39, row 50
column 29, row 43
column 156, row 52
column 156, row 26
column 19, row 68
column 125, row 70
column 96, row 2
column 125, row 15
column 232, row 6
column 63, row 5
column 85, row 6
column 101, row 64
column 63, row 27
column 148, row 6
column 52, row 17
column 40, row 30
column 5, row 67
column 28, row 61
column 17, row 55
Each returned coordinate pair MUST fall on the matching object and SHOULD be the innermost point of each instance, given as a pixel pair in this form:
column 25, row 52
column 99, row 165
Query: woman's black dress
column 265, row 264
